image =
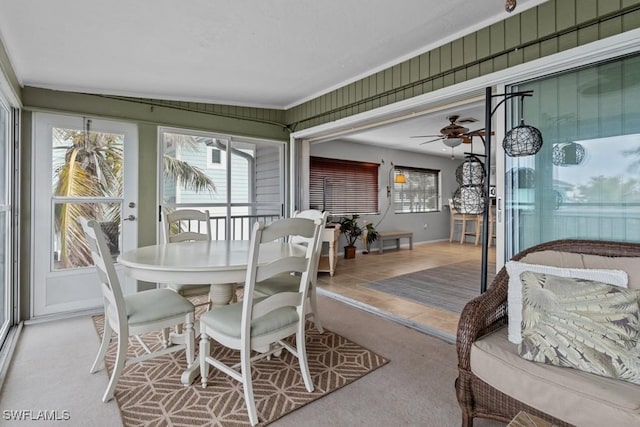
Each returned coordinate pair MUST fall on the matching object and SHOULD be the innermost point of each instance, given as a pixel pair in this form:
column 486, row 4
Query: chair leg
column 189, row 339
column 314, row 308
column 452, row 228
column 166, row 337
column 104, row 344
column 121, row 357
column 302, row 357
column 247, row 385
column 463, row 230
column 478, row 228
column 204, row 352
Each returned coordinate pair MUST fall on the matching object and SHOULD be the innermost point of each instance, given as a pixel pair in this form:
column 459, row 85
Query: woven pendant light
column 522, row 140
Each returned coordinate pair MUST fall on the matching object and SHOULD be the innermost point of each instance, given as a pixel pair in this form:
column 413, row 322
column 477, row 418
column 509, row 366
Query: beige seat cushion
column 150, row 306
column 227, row 320
column 568, row 259
column 574, row 396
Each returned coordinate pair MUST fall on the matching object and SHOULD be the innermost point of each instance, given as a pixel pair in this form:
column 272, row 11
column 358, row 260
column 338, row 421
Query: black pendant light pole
column 522, row 140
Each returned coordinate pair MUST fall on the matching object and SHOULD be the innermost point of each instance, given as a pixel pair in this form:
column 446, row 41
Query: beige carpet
column 150, row 393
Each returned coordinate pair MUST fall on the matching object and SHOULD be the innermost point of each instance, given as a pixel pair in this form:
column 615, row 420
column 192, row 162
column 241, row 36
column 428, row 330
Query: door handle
column 130, row 218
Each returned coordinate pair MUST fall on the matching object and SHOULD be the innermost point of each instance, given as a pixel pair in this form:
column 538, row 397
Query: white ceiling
column 269, row 53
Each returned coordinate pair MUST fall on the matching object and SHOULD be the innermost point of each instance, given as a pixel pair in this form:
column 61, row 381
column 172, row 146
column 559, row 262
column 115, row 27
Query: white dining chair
column 263, row 323
column 288, row 282
column 133, row 315
column 187, row 225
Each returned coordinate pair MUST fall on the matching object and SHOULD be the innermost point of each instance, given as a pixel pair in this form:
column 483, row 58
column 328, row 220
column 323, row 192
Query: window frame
column 399, row 189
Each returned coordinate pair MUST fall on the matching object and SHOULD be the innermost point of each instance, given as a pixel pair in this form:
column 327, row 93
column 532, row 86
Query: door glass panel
column 70, row 249
column 85, row 165
column 585, row 181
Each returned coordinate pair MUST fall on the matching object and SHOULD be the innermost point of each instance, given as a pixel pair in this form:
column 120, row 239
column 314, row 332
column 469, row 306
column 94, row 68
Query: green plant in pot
column 351, row 230
column 371, row 235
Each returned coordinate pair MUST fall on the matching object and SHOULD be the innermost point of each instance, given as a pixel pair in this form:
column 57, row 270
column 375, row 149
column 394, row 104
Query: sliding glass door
column 585, row 181
column 6, row 218
column 238, row 180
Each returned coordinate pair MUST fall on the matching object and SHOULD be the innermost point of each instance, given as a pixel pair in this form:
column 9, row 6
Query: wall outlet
column 425, row 226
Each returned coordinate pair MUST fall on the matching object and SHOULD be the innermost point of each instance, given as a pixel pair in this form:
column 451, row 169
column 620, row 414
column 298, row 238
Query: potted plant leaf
column 370, row 236
column 349, row 227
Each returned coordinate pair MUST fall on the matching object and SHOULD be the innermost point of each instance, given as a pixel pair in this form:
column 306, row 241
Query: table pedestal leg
column 221, row 294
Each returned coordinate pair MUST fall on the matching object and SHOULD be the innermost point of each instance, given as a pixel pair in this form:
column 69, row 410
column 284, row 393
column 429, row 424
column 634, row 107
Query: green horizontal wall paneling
column 549, row 28
column 244, row 121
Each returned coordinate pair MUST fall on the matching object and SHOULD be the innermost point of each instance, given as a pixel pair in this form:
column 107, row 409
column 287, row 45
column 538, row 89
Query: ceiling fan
column 453, row 134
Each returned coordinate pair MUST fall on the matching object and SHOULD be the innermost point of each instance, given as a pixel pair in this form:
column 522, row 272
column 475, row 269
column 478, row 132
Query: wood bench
column 394, row 235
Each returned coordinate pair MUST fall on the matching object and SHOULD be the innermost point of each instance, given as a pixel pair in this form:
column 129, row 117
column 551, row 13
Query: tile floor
column 352, row 274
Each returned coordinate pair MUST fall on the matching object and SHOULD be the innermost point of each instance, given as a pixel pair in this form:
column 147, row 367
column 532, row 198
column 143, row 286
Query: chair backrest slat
column 177, row 225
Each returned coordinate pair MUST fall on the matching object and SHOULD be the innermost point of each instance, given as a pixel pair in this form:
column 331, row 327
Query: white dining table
column 219, row 263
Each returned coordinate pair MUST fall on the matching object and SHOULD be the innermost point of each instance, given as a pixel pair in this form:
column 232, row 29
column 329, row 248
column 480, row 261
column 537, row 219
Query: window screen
column 343, row 186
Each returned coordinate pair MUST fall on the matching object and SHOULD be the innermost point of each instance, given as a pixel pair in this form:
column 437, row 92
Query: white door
column 81, row 167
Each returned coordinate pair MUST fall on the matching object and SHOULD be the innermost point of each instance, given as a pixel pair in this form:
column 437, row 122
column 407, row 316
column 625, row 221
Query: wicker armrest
column 482, row 315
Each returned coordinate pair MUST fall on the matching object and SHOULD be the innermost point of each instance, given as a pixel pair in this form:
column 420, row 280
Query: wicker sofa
column 485, row 317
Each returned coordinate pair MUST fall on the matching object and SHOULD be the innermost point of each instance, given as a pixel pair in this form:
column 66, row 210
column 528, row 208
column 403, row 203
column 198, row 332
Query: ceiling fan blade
column 433, row 140
column 478, row 132
column 425, row 136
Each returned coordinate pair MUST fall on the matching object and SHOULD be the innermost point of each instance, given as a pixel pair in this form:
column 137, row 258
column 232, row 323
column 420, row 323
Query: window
column 238, row 180
column 420, row 192
column 216, row 158
column 343, row 186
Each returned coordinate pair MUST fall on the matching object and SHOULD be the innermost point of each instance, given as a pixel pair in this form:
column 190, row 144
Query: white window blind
column 343, row 186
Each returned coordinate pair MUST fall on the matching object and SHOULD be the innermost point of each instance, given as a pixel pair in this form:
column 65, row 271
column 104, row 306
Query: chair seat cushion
column 226, row 320
column 156, row 304
column 280, row 283
column 577, row 397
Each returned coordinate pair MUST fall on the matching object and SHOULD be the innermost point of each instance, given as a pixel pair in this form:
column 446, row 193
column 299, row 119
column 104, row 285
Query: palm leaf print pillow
column 581, row 324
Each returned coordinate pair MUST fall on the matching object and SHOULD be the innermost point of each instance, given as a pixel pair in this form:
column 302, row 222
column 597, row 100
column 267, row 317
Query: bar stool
column 463, row 219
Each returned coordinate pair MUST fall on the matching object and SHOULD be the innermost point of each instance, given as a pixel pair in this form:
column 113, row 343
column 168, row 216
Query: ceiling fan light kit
column 452, row 142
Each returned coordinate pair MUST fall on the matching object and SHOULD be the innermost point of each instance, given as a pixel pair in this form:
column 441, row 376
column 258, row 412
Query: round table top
column 212, row 255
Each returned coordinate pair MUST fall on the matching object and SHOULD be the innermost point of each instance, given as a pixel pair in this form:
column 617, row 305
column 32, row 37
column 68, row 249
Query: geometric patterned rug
column 448, row 287
column 150, row 393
